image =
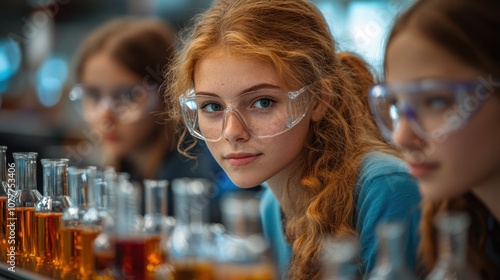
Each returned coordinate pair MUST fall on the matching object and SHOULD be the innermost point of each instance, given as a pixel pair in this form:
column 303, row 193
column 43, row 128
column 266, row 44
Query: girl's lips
column 422, row 169
column 111, row 137
column 241, row 159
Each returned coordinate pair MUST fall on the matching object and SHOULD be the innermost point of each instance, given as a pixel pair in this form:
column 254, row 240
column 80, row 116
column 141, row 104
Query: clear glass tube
column 3, row 203
column 81, row 184
column 190, row 249
column 339, row 258
column 48, row 213
column 390, row 259
column 452, row 260
column 242, row 252
column 26, row 197
column 155, row 223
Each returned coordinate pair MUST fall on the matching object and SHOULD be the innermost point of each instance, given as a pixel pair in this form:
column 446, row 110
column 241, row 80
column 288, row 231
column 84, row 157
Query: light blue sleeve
column 386, row 192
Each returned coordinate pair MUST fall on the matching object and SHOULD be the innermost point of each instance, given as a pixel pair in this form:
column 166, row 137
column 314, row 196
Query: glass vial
column 390, row 259
column 452, row 237
column 4, row 189
column 48, row 213
column 129, row 240
column 243, row 252
column 339, row 258
column 81, row 183
column 190, row 249
column 155, row 223
column 26, row 198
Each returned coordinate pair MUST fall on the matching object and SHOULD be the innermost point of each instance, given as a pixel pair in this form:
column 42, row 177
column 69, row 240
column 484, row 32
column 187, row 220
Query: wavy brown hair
column 294, row 37
column 467, row 30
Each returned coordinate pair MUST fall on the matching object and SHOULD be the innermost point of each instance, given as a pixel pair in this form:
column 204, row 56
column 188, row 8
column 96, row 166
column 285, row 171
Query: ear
column 324, row 98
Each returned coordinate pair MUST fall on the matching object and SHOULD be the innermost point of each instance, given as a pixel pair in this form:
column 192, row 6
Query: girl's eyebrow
column 249, row 89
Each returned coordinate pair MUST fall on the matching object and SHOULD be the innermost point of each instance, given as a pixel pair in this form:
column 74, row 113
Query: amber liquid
column 71, row 249
column 154, row 253
column 48, row 241
column 3, row 228
column 245, row 272
column 130, row 258
column 103, row 265
column 193, row 271
column 25, row 231
column 87, row 253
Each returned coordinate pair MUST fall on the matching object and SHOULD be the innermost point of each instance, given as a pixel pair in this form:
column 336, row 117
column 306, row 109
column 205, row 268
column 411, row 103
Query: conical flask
column 26, row 198
column 390, row 259
column 339, row 258
column 48, row 213
column 452, row 260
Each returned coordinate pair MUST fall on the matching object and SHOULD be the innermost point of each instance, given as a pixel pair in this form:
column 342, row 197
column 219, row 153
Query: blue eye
column 263, row 103
column 438, row 103
column 211, row 107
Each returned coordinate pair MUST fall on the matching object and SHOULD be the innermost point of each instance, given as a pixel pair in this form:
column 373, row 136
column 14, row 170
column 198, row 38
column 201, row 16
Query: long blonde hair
column 294, row 37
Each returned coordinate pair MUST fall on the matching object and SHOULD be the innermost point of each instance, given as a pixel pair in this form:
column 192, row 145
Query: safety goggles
column 434, row 108
column 129, row 102
column 263, row 113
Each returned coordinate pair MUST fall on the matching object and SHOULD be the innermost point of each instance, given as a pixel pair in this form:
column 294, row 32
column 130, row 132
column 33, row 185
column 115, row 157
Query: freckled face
column 467, row 158
column 248, row 161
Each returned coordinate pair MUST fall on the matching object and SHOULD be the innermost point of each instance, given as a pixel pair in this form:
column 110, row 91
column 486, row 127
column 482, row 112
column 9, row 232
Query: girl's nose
column 234, row 128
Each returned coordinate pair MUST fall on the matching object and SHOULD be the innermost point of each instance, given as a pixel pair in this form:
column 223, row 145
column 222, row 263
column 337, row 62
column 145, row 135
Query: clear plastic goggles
column 433, row 108
column 263, row 113
column 129, row 103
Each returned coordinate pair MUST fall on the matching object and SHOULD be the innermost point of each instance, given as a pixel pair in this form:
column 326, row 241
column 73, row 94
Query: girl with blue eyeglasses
column 440, row 106
column 261, row 83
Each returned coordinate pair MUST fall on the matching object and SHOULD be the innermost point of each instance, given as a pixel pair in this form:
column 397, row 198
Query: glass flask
column 452, row 239
column 48, row 213
column 81, row 183
column 190, row 249
column 391, row 263
column 4, row 189
column 339, row 258
column 26, row 198
column 155, row 223
column 129, row 239
column 242, row 252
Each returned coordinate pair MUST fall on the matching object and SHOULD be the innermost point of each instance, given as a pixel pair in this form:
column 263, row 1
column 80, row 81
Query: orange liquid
column 48, row 241
column 103, row 265
column 25, row 232
column 194, row 270
column 71, row 249
column 154, row 254
column 88, row 257
column 245, row 272
column 3, row 228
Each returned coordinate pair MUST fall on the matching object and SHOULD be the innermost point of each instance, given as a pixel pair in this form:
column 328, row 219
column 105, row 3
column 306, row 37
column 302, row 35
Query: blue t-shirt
column 385, row 192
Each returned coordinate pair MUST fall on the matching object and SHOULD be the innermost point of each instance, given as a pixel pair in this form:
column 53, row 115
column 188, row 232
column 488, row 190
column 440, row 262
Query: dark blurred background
column 39, row 38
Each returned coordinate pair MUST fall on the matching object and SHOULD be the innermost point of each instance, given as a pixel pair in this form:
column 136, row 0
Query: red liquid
column 130, row 258
column 3, row 228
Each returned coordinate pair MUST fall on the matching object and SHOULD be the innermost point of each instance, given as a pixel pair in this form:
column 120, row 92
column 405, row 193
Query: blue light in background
column 10, row 61
column 50, row 80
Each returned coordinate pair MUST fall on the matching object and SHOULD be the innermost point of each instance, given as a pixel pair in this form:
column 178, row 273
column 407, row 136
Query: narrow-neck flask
column 452, row 261
column 190, row 249
column 4, row 189
column 49, row 211
column 155, row 222
column 26, row 197
column 339, row 258
column 243, row 253
column 129, row 240
column 81, row 184
column 391, row 263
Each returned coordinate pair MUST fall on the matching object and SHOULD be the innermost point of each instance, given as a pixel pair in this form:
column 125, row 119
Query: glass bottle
column 81, row 183
column 26, row 198
column 48, row 213
column 129, row 240
column 390, row 258
column 155, row 222
column 189, row 246
column 243, row 252
column 452, row 239
column 339, row 258
column 4, row 188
